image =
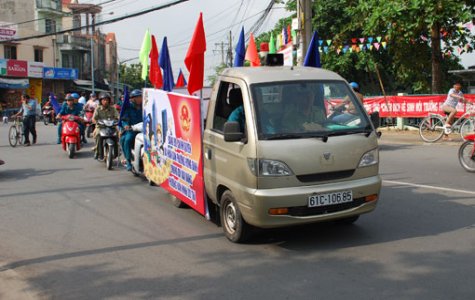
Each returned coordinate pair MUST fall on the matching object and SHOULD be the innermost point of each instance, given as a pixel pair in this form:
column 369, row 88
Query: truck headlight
column 268, row 167
column 369, row 158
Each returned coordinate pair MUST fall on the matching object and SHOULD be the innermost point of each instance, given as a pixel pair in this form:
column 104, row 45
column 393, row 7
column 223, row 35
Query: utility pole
column 230, row 50
column 222, row 51
column 304, row 17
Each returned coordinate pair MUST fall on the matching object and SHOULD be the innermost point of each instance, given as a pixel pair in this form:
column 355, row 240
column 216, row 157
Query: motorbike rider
column 49, row 105
column 69, row 108
column 132, row 115
column 76, row 101
column 92, row 103
column 103, row 112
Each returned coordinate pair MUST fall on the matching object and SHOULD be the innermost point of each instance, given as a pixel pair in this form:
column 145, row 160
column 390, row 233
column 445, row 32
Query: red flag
column 251, row 53
column 155, row 74
column 195, row 57
column 181, row 81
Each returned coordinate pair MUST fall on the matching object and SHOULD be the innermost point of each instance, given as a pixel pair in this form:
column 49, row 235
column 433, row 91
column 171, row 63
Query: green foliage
column 131, row 75
column 218, row 69
column 407, row 62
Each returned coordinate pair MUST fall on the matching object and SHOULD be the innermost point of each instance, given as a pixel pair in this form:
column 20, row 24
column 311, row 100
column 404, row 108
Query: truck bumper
column 256, row 209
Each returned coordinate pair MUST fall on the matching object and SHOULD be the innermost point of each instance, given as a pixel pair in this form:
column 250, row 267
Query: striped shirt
column 452, row 101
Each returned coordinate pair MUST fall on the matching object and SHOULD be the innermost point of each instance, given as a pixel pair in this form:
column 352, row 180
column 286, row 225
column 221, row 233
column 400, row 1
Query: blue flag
column 125, row 104
column 240, row 51
column 54, row 103
column 166, row 65
column 312, row 59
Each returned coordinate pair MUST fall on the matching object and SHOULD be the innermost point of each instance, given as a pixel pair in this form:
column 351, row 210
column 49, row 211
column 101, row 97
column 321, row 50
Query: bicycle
column 15, row 133
column 467, row 153
column 432, row 127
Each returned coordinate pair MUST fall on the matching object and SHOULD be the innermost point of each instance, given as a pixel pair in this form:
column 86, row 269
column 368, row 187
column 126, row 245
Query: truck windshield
column 300, row 109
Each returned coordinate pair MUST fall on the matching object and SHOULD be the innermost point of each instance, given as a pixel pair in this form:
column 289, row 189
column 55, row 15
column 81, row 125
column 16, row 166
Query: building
column 58, row 63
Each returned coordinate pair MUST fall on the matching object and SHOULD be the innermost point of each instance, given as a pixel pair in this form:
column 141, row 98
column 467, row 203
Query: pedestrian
column 28, row 110
column 450, row 106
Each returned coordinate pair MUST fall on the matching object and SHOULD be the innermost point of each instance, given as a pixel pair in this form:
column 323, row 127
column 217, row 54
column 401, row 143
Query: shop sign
column 3, row 67
column 35, row 69
column 17, row 68
column 8, row 31
column 60, row 73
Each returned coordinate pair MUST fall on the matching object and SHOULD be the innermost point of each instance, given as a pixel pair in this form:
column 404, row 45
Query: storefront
column 13, row 82
column 59, row 81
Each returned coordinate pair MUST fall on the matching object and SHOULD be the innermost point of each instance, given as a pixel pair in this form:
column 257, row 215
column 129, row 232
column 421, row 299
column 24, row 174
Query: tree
column 131, row 75
column 404, row 22
column 217, row 70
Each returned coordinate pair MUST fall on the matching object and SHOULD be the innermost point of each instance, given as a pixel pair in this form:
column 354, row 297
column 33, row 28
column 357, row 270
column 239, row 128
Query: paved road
column 69, row 229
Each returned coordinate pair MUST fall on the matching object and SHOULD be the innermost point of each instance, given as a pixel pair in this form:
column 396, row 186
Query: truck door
column 225, row 163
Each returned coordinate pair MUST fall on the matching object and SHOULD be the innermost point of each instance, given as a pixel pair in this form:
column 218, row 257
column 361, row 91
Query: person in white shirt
column 82, row 100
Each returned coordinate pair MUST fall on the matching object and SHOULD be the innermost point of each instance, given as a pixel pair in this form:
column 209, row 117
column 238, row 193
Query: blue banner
column 60, row 73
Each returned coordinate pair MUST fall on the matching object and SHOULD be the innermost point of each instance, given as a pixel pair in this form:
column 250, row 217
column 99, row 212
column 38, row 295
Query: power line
column 39, row 19
column 98, row 23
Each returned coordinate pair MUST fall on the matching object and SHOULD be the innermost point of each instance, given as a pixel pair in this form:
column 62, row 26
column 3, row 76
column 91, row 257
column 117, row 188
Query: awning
column 6, row 83
column 87, row 85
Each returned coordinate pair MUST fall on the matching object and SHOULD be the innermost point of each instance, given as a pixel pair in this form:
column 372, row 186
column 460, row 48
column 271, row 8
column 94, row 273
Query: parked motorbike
column 467, row 153
column 88, row 122
column 48, row 115
column 109, row 134
column 138, row 150
column 71, row 134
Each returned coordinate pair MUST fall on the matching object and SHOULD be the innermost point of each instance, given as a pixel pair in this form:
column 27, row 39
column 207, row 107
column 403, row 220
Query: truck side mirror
column 374, row 116
column 232, row 132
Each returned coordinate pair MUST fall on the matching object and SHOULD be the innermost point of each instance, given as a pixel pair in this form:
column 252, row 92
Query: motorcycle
column 138, row 151
column 71, row 134
column 109, row 134
column 466, row 153
column 88, row 122
column 48, row 115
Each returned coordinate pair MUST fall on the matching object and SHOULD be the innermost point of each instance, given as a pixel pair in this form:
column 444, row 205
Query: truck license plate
column 330, row 198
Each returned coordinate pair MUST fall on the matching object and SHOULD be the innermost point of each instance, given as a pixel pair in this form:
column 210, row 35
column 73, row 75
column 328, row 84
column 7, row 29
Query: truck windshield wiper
column 285, row 136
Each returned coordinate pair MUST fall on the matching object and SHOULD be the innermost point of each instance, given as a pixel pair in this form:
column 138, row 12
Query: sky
column 177, row 23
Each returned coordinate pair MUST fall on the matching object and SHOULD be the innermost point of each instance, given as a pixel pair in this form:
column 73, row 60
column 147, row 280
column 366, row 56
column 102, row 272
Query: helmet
column 103, row 95
column 135, row 93
column 93, row 94
column 75, row 95
column 68, row 97
column 354, row 85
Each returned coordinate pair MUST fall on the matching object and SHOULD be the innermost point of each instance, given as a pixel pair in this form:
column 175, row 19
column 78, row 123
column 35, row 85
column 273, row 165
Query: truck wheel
column 177, row 202
column 234, row 226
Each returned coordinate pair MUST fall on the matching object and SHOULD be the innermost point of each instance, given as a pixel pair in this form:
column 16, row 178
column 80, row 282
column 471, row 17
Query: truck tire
column 234, row 226
column 177, row 202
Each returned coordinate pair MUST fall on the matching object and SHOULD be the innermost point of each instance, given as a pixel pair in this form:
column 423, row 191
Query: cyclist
column 450, row 106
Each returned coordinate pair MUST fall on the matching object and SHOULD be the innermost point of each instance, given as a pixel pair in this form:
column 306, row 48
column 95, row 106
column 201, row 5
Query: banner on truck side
column 173, row 145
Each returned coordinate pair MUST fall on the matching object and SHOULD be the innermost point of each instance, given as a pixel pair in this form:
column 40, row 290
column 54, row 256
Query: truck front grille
column 328, row 176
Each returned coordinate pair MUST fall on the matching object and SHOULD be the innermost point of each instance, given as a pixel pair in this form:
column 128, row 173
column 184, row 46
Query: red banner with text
column 172, row 145
column 412, row 106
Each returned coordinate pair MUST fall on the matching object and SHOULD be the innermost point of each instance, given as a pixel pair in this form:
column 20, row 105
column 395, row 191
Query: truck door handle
column 208, row 154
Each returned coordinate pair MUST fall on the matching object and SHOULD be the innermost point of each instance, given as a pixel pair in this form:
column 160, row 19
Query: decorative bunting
column 362, row 40
column 370, row 40
column 384, row 44
column 354, row 40
column 376, row 45
column 378, row 39
column 320, row 42
column 329, row 42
